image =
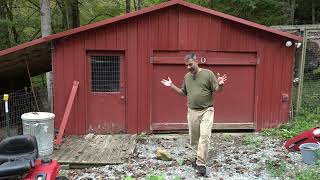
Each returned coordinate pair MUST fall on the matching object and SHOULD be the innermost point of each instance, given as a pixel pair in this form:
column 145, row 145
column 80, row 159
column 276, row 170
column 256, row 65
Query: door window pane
column 105, row 73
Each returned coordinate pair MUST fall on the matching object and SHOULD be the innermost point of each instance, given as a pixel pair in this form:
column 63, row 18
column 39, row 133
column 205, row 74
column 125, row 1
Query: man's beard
column 192, row 71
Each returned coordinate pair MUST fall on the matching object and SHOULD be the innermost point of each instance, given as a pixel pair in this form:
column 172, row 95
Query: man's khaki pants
column 200, row 124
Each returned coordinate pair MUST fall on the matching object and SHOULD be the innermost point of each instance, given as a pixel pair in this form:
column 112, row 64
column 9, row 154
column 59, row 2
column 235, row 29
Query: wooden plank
column 89, row 150
column 111, row 149
column 130, row 148
column 297, row 27
column 60, row 151
column 104, row 145
column 67, row 112
column 181, row 126
column 95, row 150
column 213, row 58
column 116, row 158
column 66, row 149
column 301, row 73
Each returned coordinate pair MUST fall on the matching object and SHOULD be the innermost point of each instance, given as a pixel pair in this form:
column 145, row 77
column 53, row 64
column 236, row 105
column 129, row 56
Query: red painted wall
column 174, row 28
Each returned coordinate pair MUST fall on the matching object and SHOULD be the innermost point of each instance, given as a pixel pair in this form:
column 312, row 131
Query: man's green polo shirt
column 199, row 89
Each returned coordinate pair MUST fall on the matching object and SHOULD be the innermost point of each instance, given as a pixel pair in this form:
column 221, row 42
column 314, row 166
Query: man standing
column 198, row 85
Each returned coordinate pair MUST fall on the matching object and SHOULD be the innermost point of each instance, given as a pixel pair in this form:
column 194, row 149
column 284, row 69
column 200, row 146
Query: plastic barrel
column 40, row 125
column 309, row 152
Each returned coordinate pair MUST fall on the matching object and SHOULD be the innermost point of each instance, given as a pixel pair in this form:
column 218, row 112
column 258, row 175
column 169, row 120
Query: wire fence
column 306, row 82
column 21, row 102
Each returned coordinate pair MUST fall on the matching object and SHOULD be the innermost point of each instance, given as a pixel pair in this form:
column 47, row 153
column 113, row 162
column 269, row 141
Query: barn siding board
column 183, row 28
column 276, row 97
column 164, row 40
column 90, row 40
column 56, row 83
column 203, row 32
column 122, row 35
column 261, row 46
column 193, row 29
column 287, row 76
column 80, row 101
column 173, row 28
column 215, row 24
column 132, row 79
column 142, row 53
column 237, row 37
column 68, row 81
column 267, row 80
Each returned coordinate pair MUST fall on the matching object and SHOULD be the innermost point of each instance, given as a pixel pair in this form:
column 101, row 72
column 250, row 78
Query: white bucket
column 40, row 125
column 309, row 152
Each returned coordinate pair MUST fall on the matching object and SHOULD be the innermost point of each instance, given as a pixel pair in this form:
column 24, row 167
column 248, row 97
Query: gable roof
column 146, row 10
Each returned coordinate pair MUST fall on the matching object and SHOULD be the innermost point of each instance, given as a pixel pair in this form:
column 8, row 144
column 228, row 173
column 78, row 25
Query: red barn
column 119, row 63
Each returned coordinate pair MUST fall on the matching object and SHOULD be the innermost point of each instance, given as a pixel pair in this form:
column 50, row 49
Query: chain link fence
column 310, row 94
column 21, row 102
column 306, row 82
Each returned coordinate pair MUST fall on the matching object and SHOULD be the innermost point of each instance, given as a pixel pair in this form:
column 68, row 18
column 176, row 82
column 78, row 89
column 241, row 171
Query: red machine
column 19, row 160
column 44, row 169
column 309, row 136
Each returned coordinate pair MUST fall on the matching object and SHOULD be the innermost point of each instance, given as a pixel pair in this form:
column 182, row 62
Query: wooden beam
column 301, row 72
column 67, row 112
column 183, row 126
column 298, row 27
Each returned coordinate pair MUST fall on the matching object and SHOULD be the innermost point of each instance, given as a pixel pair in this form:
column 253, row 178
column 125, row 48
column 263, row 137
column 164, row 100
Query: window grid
column 105, row 73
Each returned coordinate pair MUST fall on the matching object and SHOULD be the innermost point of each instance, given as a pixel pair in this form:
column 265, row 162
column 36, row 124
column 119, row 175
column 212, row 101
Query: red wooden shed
column 119, row 63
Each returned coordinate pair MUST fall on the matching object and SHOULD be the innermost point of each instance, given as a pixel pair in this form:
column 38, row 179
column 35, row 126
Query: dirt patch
column 231, row 156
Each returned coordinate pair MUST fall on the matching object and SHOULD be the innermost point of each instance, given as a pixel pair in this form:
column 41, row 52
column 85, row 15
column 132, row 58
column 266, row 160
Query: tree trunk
column 313, row 12
column 72, row 13
column 134, row 5
column 128, row 6
column 45, row 18
column 140, row 2
column 14, row 31
column 292, row 11
column 62, row 6
column 46, row 30
column 211, row 4
column 4, row 28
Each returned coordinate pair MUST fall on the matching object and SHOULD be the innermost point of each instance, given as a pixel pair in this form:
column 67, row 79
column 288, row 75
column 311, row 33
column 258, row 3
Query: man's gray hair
column 191, row 56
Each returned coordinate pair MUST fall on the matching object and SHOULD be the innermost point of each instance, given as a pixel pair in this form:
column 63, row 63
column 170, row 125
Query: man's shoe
column 194, row 163
column 202, row 170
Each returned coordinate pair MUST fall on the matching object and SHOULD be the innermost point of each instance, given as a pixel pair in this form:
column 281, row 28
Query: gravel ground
column 231, row 156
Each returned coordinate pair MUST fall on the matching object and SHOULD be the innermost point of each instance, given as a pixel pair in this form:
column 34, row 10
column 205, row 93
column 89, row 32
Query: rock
column 163, row 155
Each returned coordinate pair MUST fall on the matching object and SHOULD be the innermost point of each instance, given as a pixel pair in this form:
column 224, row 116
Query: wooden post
column 67, row 112
column 301, row 72
column 6, row 105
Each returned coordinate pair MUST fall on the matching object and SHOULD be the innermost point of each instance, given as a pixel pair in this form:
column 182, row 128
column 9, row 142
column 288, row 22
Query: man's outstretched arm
column 172, row 86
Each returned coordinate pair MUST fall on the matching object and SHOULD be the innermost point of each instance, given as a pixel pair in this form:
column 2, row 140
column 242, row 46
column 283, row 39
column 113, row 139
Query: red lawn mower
column 309, row 136
column 19, row 159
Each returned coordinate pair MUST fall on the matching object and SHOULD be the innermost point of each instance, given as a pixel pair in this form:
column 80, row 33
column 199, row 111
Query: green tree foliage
column 266, row 12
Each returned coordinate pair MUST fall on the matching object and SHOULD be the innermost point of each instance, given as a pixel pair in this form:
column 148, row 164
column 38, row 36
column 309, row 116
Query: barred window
column 105, row 73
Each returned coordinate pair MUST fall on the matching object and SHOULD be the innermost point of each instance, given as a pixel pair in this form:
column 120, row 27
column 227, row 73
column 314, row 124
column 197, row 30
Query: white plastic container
column 40, row 124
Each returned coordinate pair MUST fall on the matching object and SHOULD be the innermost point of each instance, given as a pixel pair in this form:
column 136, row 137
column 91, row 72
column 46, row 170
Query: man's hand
column 221, row 79
column 167, row 82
